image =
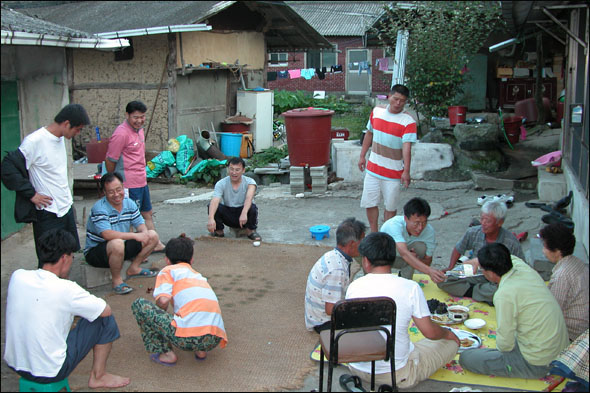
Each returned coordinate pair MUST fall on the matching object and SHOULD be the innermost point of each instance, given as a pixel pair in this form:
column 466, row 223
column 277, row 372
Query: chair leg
column 330, row 372
column 373, row 376
column 393, row 381
column 321, row 369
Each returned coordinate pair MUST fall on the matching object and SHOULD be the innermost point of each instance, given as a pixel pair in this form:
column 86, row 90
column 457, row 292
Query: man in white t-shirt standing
column 390, row 134
column 414, row 362
column 46, row 161
column 40, row 308
column 233, row 202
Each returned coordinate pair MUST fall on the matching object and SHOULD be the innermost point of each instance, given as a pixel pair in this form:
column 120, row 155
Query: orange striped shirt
column 196, row 308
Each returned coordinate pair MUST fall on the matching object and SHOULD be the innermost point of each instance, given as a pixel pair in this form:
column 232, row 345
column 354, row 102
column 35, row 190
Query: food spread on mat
column 436, row 307
column 466, row 342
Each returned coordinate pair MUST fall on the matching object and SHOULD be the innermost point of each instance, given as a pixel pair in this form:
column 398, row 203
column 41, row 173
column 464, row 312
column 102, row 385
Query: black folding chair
column 355, row 336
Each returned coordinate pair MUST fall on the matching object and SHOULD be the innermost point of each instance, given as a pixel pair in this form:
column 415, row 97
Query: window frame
column 280, row 63
column 334, row 52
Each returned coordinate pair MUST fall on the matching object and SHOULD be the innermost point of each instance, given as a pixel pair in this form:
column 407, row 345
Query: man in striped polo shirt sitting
column 390, row 134
column 196, row 324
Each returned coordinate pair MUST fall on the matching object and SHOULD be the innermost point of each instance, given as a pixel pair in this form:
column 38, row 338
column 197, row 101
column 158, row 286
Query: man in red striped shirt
column 390, row 134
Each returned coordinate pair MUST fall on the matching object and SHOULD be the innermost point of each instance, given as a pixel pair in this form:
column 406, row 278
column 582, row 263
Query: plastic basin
column 319, row 231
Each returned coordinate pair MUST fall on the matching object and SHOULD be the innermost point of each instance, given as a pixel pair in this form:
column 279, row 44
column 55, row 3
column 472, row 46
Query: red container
column 528, row 109
column 308, row 136
column 235, row 127
column 457, row 114
column 340, row 133
column 512, row 127
column 97, row 151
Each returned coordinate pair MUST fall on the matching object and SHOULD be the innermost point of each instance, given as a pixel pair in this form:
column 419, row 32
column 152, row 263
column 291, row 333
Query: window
column 278, row 59
column 319, row 58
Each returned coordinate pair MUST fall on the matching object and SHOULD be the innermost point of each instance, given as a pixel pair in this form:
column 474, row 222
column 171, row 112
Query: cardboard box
column 502, row 72
column 521, row 72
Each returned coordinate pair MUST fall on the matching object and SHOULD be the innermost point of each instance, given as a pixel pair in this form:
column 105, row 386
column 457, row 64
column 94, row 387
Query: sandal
column 155, row 357
column 215, row 234
column 254, row 236
column 199, row 358
column 122, row 289
column 144, row 273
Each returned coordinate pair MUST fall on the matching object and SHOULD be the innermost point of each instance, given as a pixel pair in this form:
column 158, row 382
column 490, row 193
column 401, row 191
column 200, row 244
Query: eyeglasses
column 114, row 192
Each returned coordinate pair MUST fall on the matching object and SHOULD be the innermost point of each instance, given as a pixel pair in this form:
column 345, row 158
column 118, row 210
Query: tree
column 442, row 37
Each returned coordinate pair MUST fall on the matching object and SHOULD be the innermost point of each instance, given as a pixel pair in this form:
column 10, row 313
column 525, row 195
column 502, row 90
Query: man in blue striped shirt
column 330, row 276
column 108, row 239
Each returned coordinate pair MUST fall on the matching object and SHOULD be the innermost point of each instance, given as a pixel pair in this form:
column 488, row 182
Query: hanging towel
column 336, row 69
column 321, row 73
column 364, row 65
column 308, row 73
column 383, row 64
column 294, row 74
column 282, row 74
column 271, row 76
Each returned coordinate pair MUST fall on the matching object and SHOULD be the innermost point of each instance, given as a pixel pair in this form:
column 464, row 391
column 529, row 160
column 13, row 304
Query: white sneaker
column 507, row 199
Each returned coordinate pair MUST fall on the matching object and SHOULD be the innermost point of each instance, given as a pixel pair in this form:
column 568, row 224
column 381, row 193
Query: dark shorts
column 141, row 196
column 80, row 341
column 47, row 221
column 97, row 256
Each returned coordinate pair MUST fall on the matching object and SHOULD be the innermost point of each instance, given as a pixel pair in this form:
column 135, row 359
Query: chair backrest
column 364, row 312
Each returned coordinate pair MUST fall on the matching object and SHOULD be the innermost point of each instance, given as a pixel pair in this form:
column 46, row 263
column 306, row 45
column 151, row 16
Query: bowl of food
column 474, row 323
column 458, row 313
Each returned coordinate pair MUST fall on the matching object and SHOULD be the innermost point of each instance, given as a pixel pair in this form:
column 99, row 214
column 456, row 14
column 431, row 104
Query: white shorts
column 373, row 188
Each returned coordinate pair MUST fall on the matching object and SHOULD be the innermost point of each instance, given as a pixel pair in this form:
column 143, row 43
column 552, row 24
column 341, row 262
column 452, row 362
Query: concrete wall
column 206, row 46
column 578, row 208
column 105, row 86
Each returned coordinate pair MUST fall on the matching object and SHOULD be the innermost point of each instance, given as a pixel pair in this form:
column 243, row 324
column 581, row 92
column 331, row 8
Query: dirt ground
column 286, row 219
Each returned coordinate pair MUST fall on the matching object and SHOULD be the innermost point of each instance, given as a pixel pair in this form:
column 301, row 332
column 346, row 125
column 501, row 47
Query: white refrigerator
column 258, row 105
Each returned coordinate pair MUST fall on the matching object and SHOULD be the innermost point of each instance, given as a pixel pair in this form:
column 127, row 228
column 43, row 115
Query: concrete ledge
column 486, row 182
column 551, row 187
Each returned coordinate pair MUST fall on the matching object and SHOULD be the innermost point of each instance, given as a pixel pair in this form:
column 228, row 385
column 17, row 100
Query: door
column 10, row 141
column 357, row 83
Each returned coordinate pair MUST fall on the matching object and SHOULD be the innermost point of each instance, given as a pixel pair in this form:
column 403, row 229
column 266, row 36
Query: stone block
column 318, row 188
column 428, row 157
column 345, row 158
column 318, row 170
column 95, row 276
column 550, row 187
column 480, row 160
column 475, row 135
column 296, row 189
column 486, row 182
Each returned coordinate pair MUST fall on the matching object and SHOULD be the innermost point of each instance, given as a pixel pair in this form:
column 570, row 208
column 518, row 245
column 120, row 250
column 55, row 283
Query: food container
column 474, row 323
column 458, row 312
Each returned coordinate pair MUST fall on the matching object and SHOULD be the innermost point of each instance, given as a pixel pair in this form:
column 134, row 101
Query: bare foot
column 160, row 247
column 168, row 357
column 107, row 381
column 201, row 354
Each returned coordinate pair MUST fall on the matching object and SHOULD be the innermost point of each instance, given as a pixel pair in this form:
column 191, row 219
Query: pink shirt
column 127, row 148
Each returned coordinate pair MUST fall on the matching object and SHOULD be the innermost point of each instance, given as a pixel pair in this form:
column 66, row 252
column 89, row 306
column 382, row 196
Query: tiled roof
column 339, row 18
column 15, row 21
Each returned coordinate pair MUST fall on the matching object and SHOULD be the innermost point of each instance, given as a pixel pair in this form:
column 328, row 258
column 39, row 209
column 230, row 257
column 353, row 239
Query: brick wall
column 333, row 82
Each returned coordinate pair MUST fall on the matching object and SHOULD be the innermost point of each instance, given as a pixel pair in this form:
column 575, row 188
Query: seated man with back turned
column 414, row 362
column 479, row 288
column 415, row 241
column 196, row 324
column 233, row 202
column 108, row 240
column 531, row 330
column 329, row 277
column 40, row 308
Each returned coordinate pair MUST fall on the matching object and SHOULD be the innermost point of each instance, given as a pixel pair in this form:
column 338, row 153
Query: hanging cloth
column 383, row 64
column 294, row 74
column 364, row 65
column 308, row 73
column 271, row 76
column 282, row 74
column 336, row 69
column 321, row 73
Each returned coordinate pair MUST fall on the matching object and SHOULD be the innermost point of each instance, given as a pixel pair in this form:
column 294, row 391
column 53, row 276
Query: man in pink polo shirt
column 126, row 155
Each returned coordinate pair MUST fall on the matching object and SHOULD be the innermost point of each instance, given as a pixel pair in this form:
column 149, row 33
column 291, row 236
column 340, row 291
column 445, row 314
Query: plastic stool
column 25, row 385
column 319, row 231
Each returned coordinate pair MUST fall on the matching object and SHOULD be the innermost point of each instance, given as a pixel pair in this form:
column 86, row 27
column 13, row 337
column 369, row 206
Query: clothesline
column 320, row 73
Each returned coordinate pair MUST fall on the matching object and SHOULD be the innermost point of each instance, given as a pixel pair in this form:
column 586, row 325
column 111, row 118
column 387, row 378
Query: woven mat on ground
column 453, row 372
column 261, row 292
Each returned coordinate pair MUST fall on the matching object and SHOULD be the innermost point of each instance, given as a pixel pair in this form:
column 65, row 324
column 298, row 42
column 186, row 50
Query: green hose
column 503, row 129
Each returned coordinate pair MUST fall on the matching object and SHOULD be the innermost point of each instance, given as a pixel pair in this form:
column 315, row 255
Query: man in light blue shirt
column 414, row 240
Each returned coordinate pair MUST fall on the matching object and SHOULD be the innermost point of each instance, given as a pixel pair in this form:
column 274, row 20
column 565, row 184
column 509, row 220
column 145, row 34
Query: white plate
column 474, row 323
column 464, row 334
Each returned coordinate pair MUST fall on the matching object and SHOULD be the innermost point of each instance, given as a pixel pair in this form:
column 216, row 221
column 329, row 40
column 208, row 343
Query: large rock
column 429, row 157
column 487, row 161
column 434, row 136
column 472, row 137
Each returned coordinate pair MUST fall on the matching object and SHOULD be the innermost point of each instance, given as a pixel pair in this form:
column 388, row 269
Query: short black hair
column 350, row 229
column 495, row 257
column 55, row 243
column 417, row 206
column 557, row 236
column 109, row 177
column 236, row 161
column 179, row 249
column 401, row 89
column 75, row 113
column 378, row 248
column 134, row 106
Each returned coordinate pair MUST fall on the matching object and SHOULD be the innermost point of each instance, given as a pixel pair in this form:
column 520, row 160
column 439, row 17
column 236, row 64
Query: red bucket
column 457, row 114
column 512, row 127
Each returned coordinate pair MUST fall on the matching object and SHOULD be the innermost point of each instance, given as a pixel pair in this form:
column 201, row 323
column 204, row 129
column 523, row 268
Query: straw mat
column 261, row 292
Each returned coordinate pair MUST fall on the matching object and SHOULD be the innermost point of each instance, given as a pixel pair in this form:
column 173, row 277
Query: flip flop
column 122, row 289
column 200, row 359
column 351, row 383
column 144, row 273
column 254, row 236
column 155, row 357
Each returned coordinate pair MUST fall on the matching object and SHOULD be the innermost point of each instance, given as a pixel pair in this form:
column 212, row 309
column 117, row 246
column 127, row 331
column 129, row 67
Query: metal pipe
column 568, row 31
column 504, row 44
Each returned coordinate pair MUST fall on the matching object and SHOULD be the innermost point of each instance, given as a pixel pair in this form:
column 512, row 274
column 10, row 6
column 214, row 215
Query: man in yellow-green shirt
column 531, row 330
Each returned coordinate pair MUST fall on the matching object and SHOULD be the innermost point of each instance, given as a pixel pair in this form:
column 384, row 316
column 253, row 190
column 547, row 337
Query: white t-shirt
column 47, row 163
column 40, row 309
column 410, row 302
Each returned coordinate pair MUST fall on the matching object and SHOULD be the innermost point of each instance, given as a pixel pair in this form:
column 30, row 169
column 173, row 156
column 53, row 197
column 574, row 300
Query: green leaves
column 267, row 156
column 443, row 36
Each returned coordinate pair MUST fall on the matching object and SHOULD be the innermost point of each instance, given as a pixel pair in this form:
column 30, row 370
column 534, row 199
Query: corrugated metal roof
column 339, row 18
column 15, row 21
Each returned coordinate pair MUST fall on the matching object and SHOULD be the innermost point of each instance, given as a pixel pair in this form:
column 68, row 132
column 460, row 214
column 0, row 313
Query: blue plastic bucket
column 231, row 144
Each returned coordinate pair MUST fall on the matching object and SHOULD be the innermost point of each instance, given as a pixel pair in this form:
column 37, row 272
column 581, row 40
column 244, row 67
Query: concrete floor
column 286, row 219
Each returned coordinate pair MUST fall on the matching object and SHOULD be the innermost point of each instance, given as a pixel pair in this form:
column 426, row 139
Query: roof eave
column 154, row 30
column 36, row 39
